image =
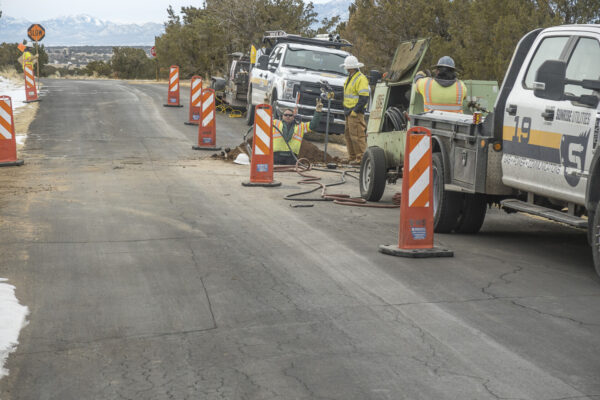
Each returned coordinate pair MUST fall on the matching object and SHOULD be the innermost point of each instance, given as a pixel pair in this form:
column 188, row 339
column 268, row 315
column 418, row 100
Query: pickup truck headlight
column 288, row 90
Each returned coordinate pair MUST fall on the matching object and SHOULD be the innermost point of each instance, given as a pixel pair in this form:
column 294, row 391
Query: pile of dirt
column 314, row 154
column 308, row 150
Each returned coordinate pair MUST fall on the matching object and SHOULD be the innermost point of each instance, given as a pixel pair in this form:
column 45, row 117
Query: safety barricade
column 416, row 209
column 8, row 142
column 173, row 91
column 195, row 101
column 261, row 166
column 31, row 93
column 207, row 129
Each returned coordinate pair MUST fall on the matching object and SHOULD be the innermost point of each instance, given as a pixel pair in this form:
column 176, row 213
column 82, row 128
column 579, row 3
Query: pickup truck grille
column 310, row 91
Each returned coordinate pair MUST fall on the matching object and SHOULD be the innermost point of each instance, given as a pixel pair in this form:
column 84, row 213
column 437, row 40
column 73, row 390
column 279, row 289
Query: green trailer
column 393, row 101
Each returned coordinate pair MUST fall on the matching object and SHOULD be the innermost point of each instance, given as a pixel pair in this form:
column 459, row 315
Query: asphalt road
column 150, row 272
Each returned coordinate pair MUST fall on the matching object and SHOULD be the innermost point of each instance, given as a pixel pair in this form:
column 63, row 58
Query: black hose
column 341, row 182
column 396, row 119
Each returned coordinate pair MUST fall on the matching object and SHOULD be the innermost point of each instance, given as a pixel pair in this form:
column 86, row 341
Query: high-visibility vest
column 438, row 97
column 356, row 85
column 296, row 140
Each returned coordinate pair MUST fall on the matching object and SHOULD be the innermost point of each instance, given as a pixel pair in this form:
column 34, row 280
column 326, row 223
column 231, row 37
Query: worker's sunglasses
column 288, row 115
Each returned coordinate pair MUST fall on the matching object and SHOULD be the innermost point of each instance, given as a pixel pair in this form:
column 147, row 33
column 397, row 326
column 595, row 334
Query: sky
column 124, row 11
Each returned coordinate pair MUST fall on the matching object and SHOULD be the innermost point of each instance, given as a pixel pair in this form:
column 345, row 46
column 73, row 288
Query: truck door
column 548, row 144
column 261, row 81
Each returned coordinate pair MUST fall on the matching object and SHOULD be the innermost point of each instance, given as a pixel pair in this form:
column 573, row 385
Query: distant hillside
column 82, row 30
column 333, row 8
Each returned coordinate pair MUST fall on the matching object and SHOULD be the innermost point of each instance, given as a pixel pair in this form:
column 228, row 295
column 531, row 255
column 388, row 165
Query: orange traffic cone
column 261, row 166
column 207, row 130
column 195, row 101
column 173, row 92
column 416, row 210
column 8, row 143
column 31, row 94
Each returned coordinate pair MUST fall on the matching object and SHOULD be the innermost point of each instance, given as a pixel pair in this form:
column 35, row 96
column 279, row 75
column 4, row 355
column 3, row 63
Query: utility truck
column 535, row 152
column 289, row 75
column 233, row 88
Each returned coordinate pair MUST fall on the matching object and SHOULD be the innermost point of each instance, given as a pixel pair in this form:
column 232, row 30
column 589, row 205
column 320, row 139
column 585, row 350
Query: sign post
column 153, row 53
column 36, row 32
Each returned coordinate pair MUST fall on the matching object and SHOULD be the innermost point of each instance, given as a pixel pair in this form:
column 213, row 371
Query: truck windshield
column 315, row 60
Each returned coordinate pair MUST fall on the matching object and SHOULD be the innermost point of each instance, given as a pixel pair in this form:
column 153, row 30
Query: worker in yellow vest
column 288, row 134
column 356, row 98
column 444, row 92
column 28, row 58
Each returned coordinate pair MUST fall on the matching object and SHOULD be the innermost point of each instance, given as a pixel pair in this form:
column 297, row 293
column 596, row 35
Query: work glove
column 353, row 113
column 319, row 106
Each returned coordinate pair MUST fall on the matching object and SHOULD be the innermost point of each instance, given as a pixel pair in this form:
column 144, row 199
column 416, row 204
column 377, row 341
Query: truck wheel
column 446, row 205
column 474, row 207
column 372, row 174
column 595, row 236
column 249, row 108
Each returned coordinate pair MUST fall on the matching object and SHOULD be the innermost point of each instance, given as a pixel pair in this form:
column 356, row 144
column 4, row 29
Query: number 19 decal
column 522, row 135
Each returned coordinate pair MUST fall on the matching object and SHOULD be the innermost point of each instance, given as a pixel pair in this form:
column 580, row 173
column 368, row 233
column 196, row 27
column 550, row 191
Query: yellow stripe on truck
column 536, row 138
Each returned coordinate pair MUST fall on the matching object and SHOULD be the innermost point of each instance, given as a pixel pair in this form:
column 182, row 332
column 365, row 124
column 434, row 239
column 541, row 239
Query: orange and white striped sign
column 419, row 170
column 173, row 93
column 30, row 89
column 8, row 142
column 416, row 210
column 207, row 130
column 208, row 107
column 261, row 169
column 195, row 100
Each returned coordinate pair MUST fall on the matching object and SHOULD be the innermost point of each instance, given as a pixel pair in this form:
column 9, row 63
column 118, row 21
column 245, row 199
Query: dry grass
column 12, row 75
column 184, row 83
column 95, row 77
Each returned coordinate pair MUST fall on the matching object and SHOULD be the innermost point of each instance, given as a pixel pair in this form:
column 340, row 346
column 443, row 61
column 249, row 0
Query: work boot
column 355, row 162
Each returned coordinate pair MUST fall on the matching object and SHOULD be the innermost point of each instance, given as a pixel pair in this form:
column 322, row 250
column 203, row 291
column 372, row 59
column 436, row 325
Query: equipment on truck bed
column 271, row 38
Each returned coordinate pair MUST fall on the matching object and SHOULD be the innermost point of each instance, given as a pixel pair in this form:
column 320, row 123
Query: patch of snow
column 12, row 320
column 15, row 91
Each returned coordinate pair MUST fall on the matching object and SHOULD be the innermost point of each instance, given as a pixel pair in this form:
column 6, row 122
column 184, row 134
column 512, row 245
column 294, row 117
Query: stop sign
column 153, row 51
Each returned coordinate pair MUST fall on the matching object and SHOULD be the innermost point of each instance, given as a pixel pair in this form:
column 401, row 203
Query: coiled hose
column 396, row 118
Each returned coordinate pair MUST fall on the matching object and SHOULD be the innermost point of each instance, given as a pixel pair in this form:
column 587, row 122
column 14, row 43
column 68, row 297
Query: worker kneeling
column 288, row 134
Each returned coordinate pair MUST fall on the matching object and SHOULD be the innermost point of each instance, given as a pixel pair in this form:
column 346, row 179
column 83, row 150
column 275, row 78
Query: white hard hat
column 351, row 62
column 242, row 159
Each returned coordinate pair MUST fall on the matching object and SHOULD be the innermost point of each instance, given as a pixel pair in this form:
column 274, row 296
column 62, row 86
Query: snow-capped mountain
column 82, row 30
column 333, row 8
column 85, row 30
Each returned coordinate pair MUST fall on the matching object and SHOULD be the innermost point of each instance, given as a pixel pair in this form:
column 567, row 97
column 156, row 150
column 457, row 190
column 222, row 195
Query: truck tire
column 446, row 204
column 595, row 237
column 249, row 108
column 472, row 215
column 372, row 174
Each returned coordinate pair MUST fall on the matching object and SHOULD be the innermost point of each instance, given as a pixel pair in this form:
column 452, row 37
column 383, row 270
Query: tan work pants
column 355, row 133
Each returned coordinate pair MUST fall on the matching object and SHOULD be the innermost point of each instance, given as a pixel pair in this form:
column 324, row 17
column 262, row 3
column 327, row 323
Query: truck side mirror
column 550, row 80
column 374, row 77
column 263, row 62
column 588, row 100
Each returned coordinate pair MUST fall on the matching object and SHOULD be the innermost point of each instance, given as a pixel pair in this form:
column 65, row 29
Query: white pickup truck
column 537, row 152
column 290, row 76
